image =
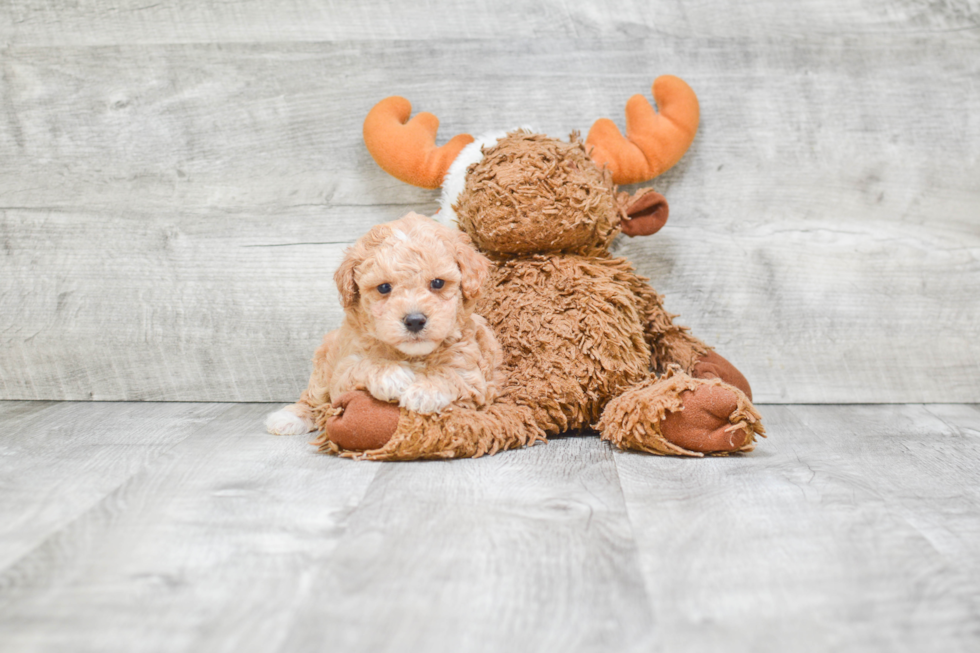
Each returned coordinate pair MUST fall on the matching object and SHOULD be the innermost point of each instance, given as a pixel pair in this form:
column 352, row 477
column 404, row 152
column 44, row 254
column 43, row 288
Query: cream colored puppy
column 409, row 334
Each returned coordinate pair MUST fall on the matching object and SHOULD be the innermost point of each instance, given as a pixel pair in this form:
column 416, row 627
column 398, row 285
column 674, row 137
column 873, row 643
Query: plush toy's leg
column 701, row 403
column 713, row 366
column 678, row 414
column 359, row 426
column 671, row 344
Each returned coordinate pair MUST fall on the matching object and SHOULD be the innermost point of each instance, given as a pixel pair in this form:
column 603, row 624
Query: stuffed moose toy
column 586, row 340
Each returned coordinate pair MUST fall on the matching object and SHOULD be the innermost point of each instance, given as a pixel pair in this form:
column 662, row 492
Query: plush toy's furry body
column 586, row 341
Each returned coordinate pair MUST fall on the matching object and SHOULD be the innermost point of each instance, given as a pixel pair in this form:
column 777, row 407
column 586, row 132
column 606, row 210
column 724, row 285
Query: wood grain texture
column 237, row 540
column 172, row 307
column 852, row 528
column 208, row 548
column 532, row 552
column 185, row 21
column 57, row 461
column 825, row 234
column 176, row 527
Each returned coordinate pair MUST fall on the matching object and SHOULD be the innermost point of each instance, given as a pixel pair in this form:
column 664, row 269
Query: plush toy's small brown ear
column 473, row 266
column 647, row 212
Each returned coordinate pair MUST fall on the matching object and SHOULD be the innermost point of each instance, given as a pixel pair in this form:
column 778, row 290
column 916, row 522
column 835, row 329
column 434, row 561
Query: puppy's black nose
column 414, row 322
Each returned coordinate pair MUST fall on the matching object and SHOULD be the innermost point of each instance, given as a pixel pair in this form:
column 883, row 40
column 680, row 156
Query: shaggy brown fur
column 638, row 419
column 534, row 194
column 456, row 433
column 586, row 340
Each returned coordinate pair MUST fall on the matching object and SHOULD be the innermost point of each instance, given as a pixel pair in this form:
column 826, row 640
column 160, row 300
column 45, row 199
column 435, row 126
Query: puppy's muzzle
column 414, row 322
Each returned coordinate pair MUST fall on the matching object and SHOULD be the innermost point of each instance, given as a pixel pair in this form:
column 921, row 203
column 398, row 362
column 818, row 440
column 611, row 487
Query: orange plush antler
column 406, row 149
column 654, row 141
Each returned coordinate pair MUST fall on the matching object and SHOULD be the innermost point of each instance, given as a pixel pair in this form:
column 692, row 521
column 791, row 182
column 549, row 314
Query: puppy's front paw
column 390, row 383
column 422, row 399
column 285, row 422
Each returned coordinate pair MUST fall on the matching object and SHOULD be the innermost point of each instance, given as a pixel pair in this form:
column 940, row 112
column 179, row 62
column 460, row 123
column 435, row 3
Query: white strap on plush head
column 455, row 180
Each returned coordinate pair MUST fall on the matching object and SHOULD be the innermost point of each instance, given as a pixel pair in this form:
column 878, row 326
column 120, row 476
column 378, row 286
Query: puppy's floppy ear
column 344, row 276
column 473, row 266
column 356, row 254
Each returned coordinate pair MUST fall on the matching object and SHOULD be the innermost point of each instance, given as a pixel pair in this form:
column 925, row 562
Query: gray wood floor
column 184, row 527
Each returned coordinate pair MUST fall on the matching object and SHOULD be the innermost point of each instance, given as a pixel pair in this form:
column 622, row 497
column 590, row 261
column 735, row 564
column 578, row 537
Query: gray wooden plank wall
column 179, row 179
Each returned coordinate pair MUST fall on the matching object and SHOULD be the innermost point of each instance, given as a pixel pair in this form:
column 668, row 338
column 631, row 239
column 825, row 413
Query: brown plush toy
column 587, row 342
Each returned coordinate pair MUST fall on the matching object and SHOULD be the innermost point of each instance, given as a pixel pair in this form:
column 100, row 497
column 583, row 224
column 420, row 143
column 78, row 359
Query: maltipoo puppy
column 409, row 333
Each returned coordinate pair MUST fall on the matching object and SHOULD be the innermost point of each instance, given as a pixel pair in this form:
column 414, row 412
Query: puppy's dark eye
column 436, row 284
column 384, row 288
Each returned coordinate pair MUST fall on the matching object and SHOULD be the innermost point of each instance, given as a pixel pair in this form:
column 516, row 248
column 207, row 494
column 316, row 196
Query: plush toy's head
column 534, row 194
column 524, row 193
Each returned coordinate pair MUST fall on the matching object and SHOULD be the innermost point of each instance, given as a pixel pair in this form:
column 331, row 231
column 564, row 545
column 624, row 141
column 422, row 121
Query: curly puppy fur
column 409, row 333
column 586, row 340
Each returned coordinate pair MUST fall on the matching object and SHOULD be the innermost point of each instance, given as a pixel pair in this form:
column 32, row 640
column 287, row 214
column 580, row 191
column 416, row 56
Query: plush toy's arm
column 356, row 425
column 368, row 429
